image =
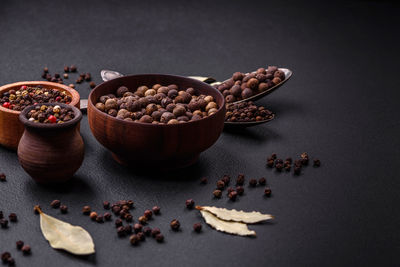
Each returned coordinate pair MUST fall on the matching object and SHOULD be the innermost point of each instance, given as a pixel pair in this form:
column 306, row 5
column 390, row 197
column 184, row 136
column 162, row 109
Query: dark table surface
column 341, row 105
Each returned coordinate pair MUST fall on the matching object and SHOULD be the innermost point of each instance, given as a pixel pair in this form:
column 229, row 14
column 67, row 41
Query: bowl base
column 154, row 166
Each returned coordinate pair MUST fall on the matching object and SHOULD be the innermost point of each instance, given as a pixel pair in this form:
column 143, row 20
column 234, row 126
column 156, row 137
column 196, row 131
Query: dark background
column 341, row 105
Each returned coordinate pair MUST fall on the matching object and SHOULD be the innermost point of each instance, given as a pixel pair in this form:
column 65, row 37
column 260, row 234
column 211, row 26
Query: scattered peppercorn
column 226, row 179
column 240, row 190
column 121, row 231
column 128, row 229
column 118, row 222
column 232, row 195
column 92, row 85
column 267, row 191
column 155, row 232
column 148, row 214
column 3, row 177
column 159, row 238
column 220, row 184
column 64, row 209
column 217, row 193
column 175, row 224
column 270, row 163
column 137, row 227
column 142, row 219
column 190, row 203
column 141, row 236
column 147, row 231
column 262, row 181
column 240, row 179
column 86, row 210
column 5, row 256
column 73, row 68
column 156, row 210
column 26, row 249
column 93, row 215
column 134, row 240
column 253, row 182
column 204, row 180
column 45, row 69
column 317, row 163
column 13, row 217
column 3, row 223
column 116, row 210
column 20, row 244
column 197, row 227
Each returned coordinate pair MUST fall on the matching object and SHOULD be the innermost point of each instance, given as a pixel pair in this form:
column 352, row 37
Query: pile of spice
column 50, row 114
column 242, row 86
column 279, row 164
column 32, row 95
column 67, row 69
column 246, row 112
column 158, row 104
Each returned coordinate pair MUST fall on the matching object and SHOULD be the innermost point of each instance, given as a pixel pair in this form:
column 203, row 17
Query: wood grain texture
column 163, row 147
column 51, row 153
column 11, row 129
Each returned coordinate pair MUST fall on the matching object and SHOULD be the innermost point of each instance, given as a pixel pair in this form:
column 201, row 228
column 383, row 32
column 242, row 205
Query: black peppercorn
column 155, row 232
column 175, row 224
column 156, row 210
column 190, row 203
column 106, row 205
column 240, row 179
column 220, row 184
column 3, row 177
column 86, row 210
column 253, row 182
column 148, row 214
column 267, row 191
column 5, row 256
column 12, row 217
column 121, row 231
column 63, row 209
column 217, row 193
column 203, row 180
column 232, row 195
column 240, row 190
column 159, row 238
column 20, row 244
column 134, row 240
column 26, row 249
column 118, row 222
column 107, row 216
column 197, row 227
column 100, row 219
column 3, row 223
column 262, row 181
column 317, row 163
column 55, row 204
column 147, row 231
column 137, row 227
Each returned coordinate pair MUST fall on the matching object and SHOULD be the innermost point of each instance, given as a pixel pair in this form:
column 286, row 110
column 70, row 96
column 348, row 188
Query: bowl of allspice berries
column 156, row 120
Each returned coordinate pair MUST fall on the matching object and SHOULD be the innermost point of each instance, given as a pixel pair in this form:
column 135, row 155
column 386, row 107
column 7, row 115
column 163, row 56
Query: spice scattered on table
column 13, row 217
column 26, row 249
column 156, row 210
column 189, row 203
column 247, row 112
column 197, row 227
column 158, row 104
column 3, row 177
column 175, row 225
column 279, row 164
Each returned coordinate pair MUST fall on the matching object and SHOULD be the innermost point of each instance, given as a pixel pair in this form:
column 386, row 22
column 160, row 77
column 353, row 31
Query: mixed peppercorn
column 158, row 104
column 50, row 114
column 247, row 112
column 32, row 95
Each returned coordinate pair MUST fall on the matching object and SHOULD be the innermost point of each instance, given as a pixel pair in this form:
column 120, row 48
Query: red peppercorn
column 23, row 87
column 52, row 119
column 6, row 105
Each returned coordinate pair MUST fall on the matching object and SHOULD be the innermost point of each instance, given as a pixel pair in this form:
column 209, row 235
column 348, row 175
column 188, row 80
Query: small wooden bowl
column 51, row 153
column 152, row 146
column 11, row 129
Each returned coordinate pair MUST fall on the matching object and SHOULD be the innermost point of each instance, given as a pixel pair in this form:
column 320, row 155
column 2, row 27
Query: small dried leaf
column 237, row 216
column 62, row 235
column 235, row 228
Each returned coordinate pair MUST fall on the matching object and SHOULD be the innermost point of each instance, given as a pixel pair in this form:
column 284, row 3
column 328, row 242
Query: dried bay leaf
column 236, row 216
column 62, row 235
column 236, row 228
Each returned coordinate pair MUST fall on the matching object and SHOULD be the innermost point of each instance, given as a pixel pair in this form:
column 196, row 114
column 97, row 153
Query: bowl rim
column 74, row 94
column 27, row 123
column 220, row 108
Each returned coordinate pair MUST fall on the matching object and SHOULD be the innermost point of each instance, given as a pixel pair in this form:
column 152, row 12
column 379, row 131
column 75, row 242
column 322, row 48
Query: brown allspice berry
column 175, row 225
column 142, row 219
column 107, row 216
column 197, row 227
column 128, row 229
column 159, row 238
column 137, row 227
column 65, row 75
column 45, row 69
column 147, row 231
column 262, row 181
column 297, row 170
column 226, row 178
column 128, row 217
column 106, row 205
column 155, row 231
column 229, row 189
column 3, row 223
column 148, row 214
column 26, row 249
column 118, row 222
column 93, row 215
column 317, row 163
column 92, row 85
column 19, row 244
column 134, row 240
column 220, row 184
column 189, row 203
column 156, row 210
column 55, row 204
column 100, row 219
column 240, row 179
column 240, row 190
column 141, row 236
column 73, row 68
column 13, row 217
column 64, row 209
column 253, row 182
column 217, row 193
column 232, row 195
column 3, row 177
column 121, row 231
column 267, row 191
column 86, row 210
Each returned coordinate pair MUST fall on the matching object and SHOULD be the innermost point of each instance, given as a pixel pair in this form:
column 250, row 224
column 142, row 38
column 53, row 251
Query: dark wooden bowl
column 51, row 153
column 159, row 147
column 11, row 129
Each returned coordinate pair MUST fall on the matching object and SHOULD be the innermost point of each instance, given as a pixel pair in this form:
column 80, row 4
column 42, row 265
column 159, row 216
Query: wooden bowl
column 11, row 129
column 51, row 153
column 153, row 146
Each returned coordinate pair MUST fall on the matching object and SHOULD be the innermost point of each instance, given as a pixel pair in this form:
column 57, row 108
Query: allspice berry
column 93, row 215
column 86, row 210
column 134, row 240
column 175, row 224
column 217, row 193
